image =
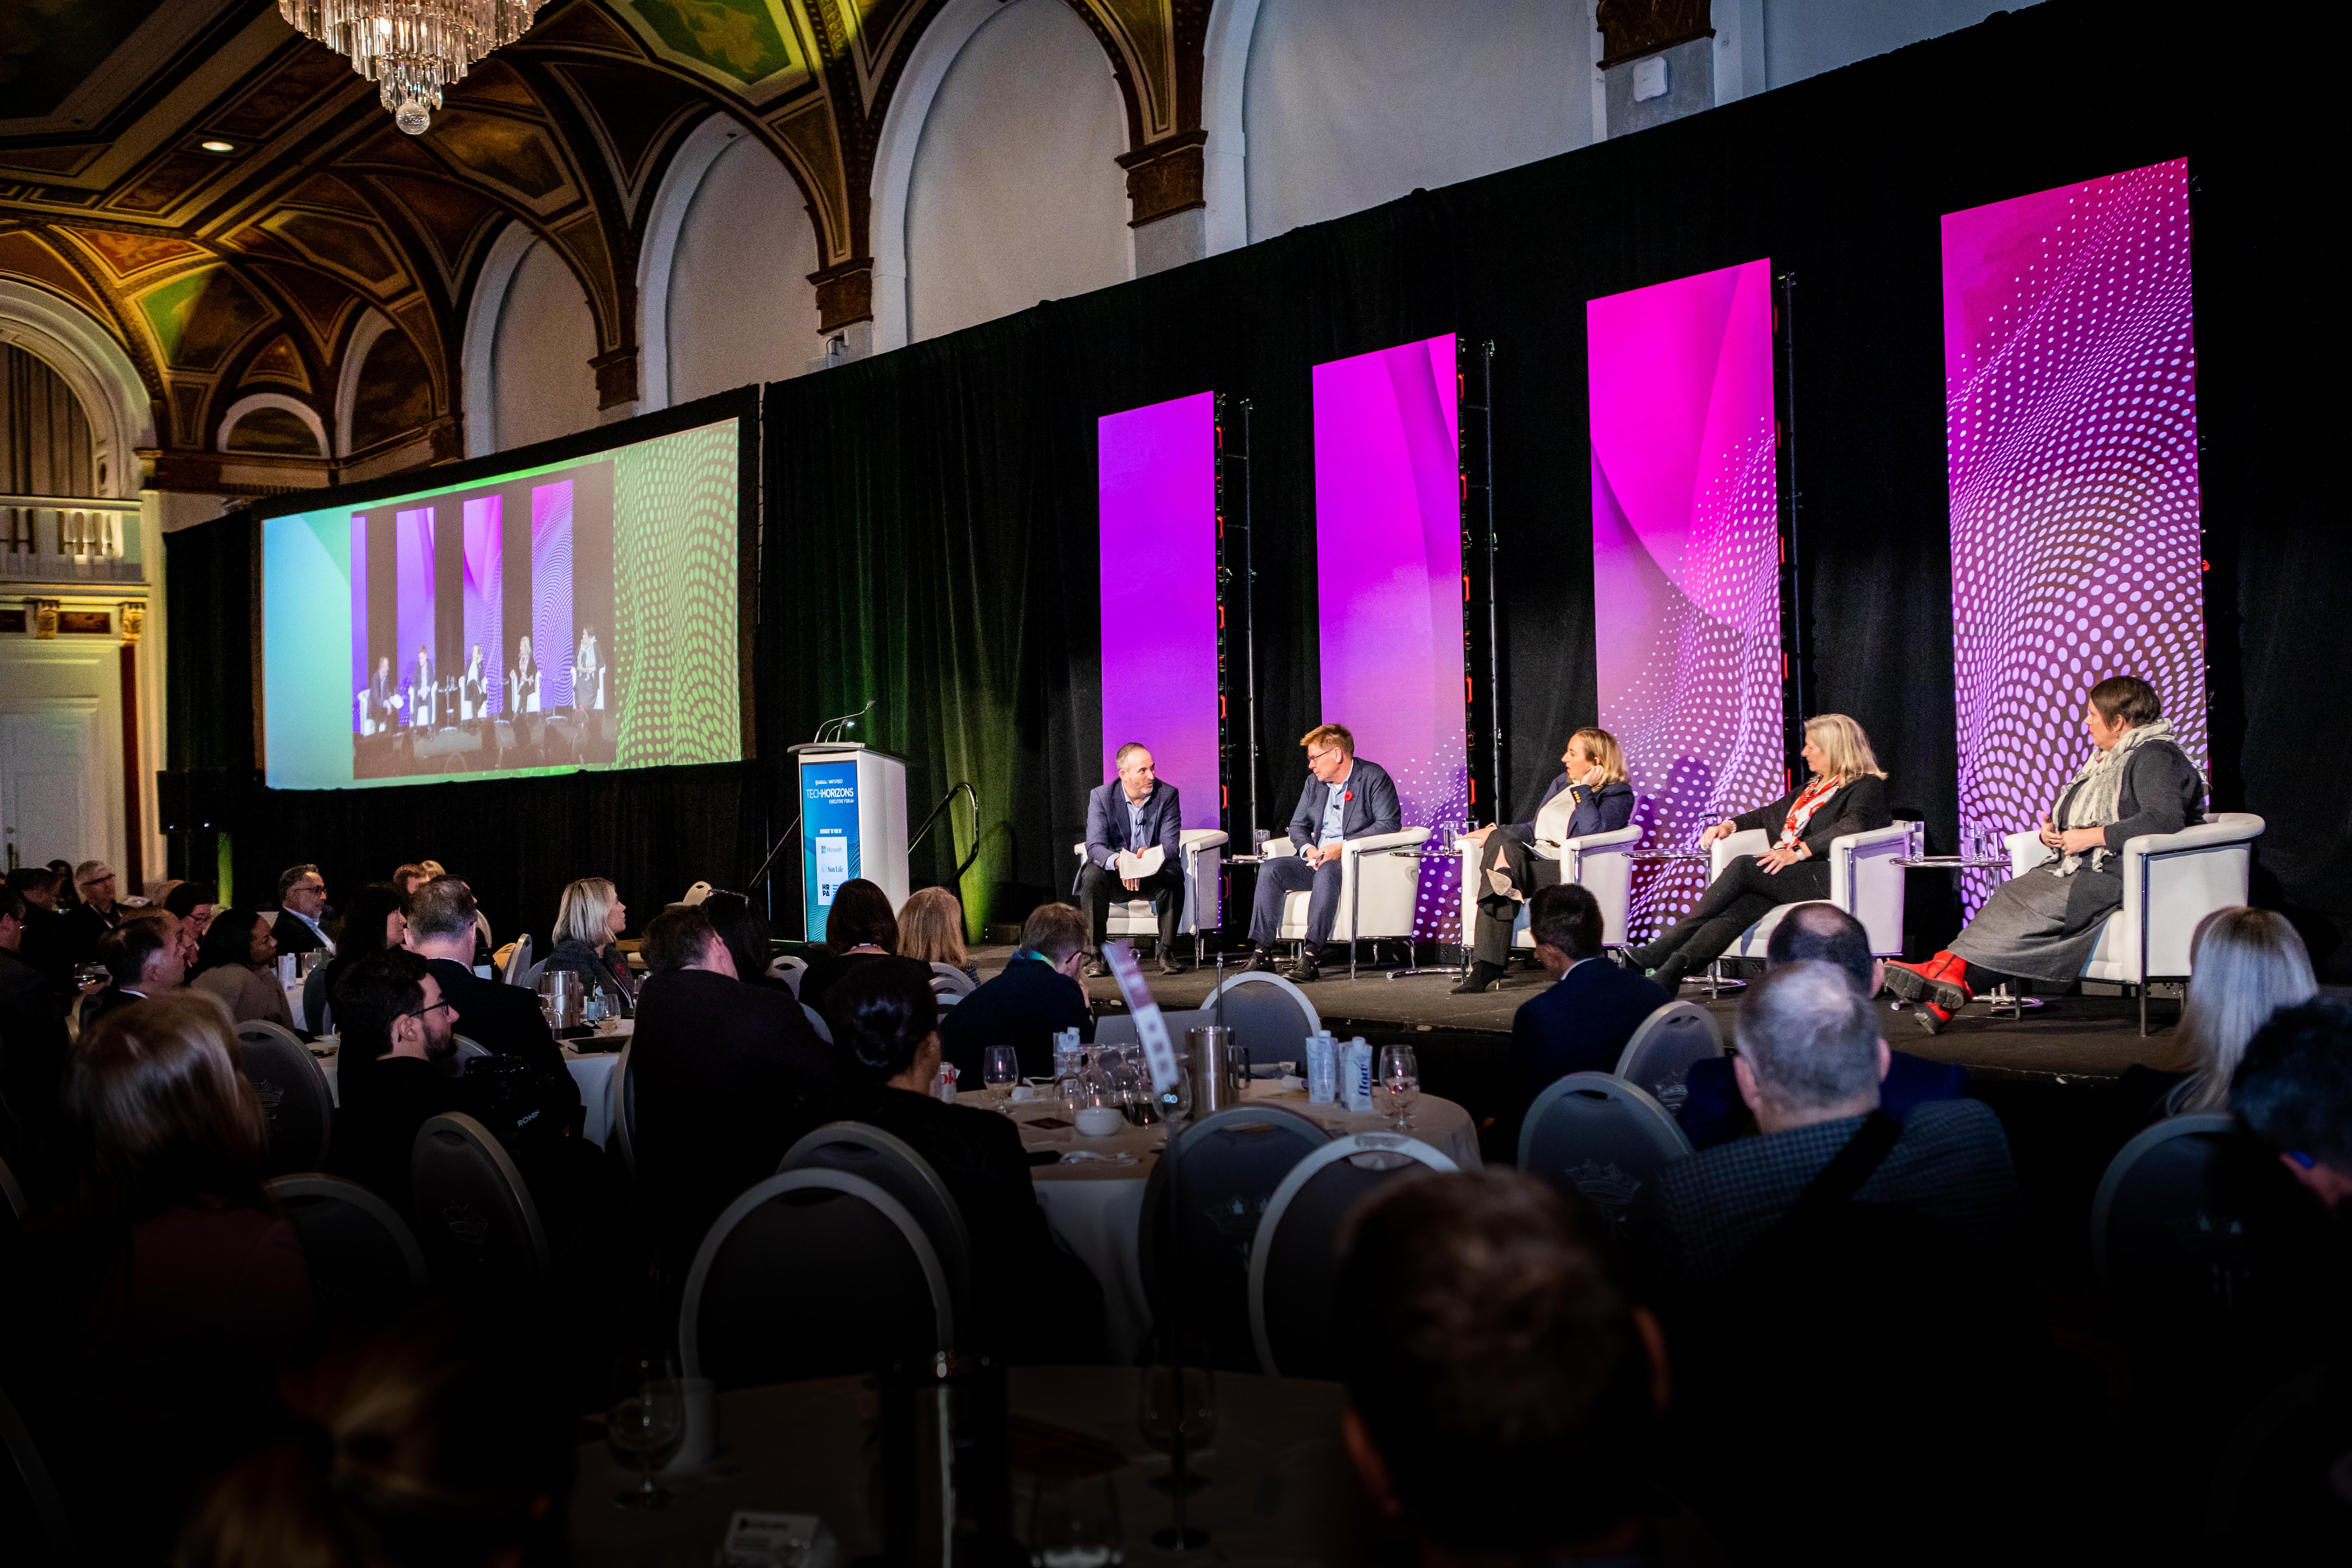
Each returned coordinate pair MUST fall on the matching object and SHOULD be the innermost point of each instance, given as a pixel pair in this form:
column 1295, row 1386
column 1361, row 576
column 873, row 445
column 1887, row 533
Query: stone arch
column 279, row 400
column 86, row 356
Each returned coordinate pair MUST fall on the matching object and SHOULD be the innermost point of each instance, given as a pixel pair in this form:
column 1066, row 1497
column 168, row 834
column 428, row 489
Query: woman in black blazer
column 1847, row 794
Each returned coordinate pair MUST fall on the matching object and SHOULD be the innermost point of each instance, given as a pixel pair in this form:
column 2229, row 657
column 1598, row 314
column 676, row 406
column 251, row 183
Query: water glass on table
column 1164, row 1415
column 1399, row 1077
column 1074, row 1523
column 646, row 1421
column 1000, row 1069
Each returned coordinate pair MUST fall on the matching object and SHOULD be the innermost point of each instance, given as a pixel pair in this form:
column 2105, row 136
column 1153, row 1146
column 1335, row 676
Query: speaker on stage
column 853, row 824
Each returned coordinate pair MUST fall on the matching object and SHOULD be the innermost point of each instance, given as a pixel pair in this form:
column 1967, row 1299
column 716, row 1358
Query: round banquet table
column 1095, row 1205
column 593, row 1072
column 1279, row 1488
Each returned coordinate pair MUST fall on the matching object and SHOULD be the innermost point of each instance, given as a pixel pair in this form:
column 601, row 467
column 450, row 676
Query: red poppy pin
column 1347, row 794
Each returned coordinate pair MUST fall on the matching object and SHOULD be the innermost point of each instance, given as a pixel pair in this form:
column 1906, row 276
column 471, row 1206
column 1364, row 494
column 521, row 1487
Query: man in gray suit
column 1347, row 796
column 1134, row 812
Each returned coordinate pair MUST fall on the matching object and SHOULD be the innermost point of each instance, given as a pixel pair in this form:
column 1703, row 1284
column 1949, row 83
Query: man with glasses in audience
column 1347, row 796
column 95, row 915
column 398, row 1032
column 302, row 911
column 502, row 1020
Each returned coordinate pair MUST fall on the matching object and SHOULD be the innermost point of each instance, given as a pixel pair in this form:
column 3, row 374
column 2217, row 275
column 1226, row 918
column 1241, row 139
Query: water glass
column 1000, row 1069
column 1400, row 1076
column 1164, row 1415
column 1074, row 1523
column 645, row 1421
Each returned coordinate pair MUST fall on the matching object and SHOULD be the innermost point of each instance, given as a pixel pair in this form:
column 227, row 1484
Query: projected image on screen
column 2071, row 430
column 1388, row 552
column 1156, row 469
column 477, row 630
column 1685, row 556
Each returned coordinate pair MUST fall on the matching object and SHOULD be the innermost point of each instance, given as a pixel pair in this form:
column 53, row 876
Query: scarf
column 2094, row 797
column 1792, row 830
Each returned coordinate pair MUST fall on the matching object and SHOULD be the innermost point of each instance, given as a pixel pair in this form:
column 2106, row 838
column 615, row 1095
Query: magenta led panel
column 1685, row 556
column 1389, row 592
column 1157, row 484
column 2071, row 437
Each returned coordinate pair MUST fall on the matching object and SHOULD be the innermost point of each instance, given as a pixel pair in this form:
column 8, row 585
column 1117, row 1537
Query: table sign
column 1158, row 1050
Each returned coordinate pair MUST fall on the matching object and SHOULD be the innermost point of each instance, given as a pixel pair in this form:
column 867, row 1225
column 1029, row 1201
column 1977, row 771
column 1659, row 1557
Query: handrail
column 70, row 504
column 974, row 795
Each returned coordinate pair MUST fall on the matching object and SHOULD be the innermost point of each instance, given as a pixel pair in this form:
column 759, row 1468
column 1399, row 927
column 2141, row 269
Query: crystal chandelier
column 411, row 48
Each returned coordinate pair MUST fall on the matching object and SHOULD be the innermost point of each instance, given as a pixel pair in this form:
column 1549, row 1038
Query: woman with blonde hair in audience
column 2246, row 963
column 931, row 931
column 588, row 925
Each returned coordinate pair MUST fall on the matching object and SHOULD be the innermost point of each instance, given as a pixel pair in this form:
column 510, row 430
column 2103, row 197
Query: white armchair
column 2171, row 882
column 1864, row 881
column 1600, row 863
column 1204, row 852
column 1377, row 892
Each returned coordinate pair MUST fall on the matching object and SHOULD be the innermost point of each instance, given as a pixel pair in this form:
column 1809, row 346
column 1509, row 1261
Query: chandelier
column 411, row 48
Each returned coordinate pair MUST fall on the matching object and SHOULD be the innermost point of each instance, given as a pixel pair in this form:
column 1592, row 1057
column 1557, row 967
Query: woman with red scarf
column 1847, row 794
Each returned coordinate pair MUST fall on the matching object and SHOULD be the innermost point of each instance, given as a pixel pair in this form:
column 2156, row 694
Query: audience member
column 375, row 919
column 32, row 1028
column 859, row 926
column 94, row 914
column 302, row 905
column 67, row 899
column 193, row 902
column 1032, row 1301
column 2293, row 1090
column 422, row 1444
column 48, row 937
column 1038, row 995
column 412, row 876
column 738, row 925
column 169, row 1285
column 588, row 925
column 2248, row 964
column 931, row 931
column 719, row 1067
column 161, row 889
column 1506, row 1391
column 141, row 960
column 238, row 959
column 1712, row 1111
column 398, row 1035
column 502, row 1020
column 1580, row 1024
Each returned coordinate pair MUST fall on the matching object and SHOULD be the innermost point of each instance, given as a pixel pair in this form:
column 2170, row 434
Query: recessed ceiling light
column 217, row 146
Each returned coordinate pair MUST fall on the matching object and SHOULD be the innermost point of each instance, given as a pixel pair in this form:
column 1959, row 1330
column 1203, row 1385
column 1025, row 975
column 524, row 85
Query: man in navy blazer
column 1346, row 797
column 1135, row 812
column 1581, row 1023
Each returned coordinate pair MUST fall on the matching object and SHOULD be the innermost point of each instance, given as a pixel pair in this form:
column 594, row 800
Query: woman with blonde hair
column 1594, row 778
column 931, row 931
column 1846, row 794
column 588, row 924
column 2247, row 964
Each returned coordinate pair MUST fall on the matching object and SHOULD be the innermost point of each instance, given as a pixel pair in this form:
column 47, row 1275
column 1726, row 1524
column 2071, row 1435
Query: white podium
column 853, row 824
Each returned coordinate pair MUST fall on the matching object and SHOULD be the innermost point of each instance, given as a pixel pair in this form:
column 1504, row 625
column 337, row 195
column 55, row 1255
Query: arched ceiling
column 229, row 274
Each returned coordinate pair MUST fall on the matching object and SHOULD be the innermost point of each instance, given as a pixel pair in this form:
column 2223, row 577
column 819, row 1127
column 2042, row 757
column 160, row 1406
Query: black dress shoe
column 1483, row 977
column 1261, row 962
column 1174, row 966
column 1306, row 971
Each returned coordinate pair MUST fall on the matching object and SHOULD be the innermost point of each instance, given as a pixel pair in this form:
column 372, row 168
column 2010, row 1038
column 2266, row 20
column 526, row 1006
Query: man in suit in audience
column 144, row 958
column 96, row 914
column 47, row 938
column 32, row 1026
column 1504, row 1391
column 500, row 1018
column 1810, row 1064
column 1713, row 1112
column 301, row 910
column 1134, row 812
column 720, row 1067
column 1038, row 995
column 1346, row 797
column 1582, row 1022
column 398, row 1032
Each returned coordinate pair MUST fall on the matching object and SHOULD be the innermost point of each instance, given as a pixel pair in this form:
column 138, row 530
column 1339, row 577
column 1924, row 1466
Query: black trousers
column 1099, row 889
column 1497, row 914
column 1743, row 895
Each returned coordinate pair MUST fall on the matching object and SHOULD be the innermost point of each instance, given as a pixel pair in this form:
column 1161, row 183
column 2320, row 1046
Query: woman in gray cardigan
column 2043, row 925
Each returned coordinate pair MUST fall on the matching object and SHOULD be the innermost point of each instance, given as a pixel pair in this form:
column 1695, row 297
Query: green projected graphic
column 674, row 628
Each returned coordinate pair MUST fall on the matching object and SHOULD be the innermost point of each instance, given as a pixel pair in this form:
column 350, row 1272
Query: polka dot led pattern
column 2071, row 427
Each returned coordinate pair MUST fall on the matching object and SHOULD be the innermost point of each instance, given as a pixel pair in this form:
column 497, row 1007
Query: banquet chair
column 1270, row 1017
column 33, row 1520
column 1864, row 881
column 293, row 1094
column 1204, row 852
column 1294, row 1267
column 1231, row 1162
column 2172, row 1249
column 481, row 1229
column 362, row 1254
column 789, row 971
column 947, row 977
column 750, row 1316
column 1662, row 1049
column 884, row 1160
column 816, row 1021
column 1119, row 1028
column 622, row 1117
column 317, row 1013
column 518, row 960
column 1600, row 863
column 1378, row 892
column 1596, row 1134
column 2172, row 882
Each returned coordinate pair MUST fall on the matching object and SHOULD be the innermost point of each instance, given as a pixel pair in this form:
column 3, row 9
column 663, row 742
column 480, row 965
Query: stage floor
column 2069, row 1038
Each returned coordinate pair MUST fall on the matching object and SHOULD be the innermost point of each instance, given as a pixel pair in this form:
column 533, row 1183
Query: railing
column 68, row 539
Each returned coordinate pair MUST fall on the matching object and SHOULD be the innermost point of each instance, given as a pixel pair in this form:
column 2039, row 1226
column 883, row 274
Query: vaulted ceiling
column 225, row 273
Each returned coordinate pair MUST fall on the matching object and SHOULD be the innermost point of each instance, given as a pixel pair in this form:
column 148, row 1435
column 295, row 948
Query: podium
column 853, row 824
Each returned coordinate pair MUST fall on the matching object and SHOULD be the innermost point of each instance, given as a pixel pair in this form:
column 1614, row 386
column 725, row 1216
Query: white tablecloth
column 1096, row 1208
column 592, row 1073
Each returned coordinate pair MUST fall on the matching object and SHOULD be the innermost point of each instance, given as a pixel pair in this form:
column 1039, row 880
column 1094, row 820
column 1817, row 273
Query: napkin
column 1081, row 1156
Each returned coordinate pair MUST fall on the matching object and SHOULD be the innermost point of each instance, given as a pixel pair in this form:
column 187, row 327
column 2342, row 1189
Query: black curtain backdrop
column 932, row 512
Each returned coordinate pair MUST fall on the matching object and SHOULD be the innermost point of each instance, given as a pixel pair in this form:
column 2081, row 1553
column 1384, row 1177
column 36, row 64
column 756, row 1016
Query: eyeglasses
column 1326, row 752
column 428, row 1012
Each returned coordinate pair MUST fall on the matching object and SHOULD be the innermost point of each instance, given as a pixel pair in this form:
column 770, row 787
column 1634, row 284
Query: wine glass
column 1074, row 1523
column 1164, row 1415
column 1401, row 1076
column 646, row 1420
column 1000, row 1069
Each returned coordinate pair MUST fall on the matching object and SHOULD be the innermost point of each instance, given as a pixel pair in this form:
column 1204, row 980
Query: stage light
column 217, row 146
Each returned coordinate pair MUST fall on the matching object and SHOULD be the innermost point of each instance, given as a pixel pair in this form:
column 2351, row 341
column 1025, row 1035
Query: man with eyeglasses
column 1346, row 797
column 95, row 915
column 301, row 912
column 397, row 1033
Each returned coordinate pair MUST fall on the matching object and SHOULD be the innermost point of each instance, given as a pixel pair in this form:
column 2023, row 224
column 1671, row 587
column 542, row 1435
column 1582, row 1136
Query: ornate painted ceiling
column 226, row 273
